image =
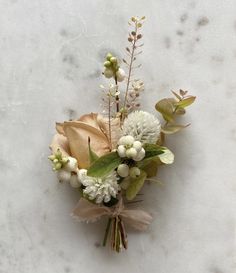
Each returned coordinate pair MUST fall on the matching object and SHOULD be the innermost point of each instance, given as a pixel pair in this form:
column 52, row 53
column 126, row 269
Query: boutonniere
column 107, row 157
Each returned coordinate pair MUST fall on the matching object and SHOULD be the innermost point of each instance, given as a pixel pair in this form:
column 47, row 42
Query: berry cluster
column 112, row 68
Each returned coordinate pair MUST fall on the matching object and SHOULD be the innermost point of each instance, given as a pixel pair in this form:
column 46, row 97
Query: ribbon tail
column 86, row 211
column 137, row 219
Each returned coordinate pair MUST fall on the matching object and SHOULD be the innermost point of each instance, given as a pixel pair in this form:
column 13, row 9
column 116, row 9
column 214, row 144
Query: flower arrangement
column 108, row 157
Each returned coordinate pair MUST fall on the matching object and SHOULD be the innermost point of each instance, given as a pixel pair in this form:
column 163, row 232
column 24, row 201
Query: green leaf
column 172, row 129
column 135, row 185
column 152, row 150
column 166, row 108
column 151, row 168
column 186, row 102
column 104, row 165
column 167, row 157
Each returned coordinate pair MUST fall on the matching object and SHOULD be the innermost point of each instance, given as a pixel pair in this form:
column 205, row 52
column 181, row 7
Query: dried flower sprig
column 133, row 51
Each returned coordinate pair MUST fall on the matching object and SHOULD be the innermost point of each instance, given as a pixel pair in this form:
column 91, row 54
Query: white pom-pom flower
column 99, row 189
column 143, row 126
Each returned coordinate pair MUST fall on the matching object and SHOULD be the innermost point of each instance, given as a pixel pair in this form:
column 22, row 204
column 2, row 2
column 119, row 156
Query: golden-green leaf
column 186, row 102
column 151, row 168
column 180, row 111
column 166, row 107
column 135, row 185
column 172, row 129
column 167, row 157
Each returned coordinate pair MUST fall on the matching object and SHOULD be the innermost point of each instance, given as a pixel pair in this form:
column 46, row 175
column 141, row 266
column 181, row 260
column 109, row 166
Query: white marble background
column 50, row 65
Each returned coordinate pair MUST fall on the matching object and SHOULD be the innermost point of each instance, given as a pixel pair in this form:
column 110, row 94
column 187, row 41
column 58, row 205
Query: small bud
column 139, row 36
column 107, row 64
column 113, row 60
column 130, row 39
column 58, row 166
column 55, row 160
column 58, row 153
column 51, row 157
column 64, row 160
column 139, row 25
column 123, row 170
column 134, row 172
column 109, row 55
column 133, row 33
column 134, row 19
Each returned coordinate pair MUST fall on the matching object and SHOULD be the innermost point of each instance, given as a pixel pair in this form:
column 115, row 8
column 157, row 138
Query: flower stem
column 117, row 97
column 107, row 232
column 130, row 67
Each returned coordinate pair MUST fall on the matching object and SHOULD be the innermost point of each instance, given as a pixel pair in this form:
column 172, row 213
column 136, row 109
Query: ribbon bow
column 89, row 212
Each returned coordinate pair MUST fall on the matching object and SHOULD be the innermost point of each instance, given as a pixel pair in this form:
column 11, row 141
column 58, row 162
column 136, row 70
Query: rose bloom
column 72, row 137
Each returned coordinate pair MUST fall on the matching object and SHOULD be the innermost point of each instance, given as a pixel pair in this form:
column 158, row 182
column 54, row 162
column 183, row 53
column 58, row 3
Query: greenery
column 104, row 165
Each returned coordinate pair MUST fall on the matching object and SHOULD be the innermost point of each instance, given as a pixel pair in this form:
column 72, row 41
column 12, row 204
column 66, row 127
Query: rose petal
column 77, row 134
column 60, row 142
column 90, row 119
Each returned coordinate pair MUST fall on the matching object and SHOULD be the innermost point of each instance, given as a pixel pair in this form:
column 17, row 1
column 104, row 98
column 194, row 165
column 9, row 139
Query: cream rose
column 72, row 137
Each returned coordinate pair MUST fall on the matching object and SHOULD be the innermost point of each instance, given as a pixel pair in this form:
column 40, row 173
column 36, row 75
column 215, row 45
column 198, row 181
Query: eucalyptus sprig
column 171, row 108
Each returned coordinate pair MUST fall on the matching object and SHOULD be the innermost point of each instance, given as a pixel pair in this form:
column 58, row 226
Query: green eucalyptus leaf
column 180, row 111
column 167, row 157
column 166, row 107
column 152, row 150
column 104, row 165
column 135, row 185
column 186, row 102
column 172, row 129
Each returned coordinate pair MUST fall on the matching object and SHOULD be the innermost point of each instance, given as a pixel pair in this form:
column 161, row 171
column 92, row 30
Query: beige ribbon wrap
column 89, row 212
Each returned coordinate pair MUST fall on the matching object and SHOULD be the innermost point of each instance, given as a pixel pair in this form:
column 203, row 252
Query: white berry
column 139, row 155
column 71, row 165
column 108, row 73
column 123, row 170
column 120, row 75
column 74, row 182
column 121, row 151
column 81, row 174
column 137, row 145
column 131, row 153
column 63, row 175
column 134, row 172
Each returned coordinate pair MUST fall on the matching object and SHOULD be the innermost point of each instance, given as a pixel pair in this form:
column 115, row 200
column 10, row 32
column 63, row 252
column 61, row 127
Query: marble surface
column 50, row 70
